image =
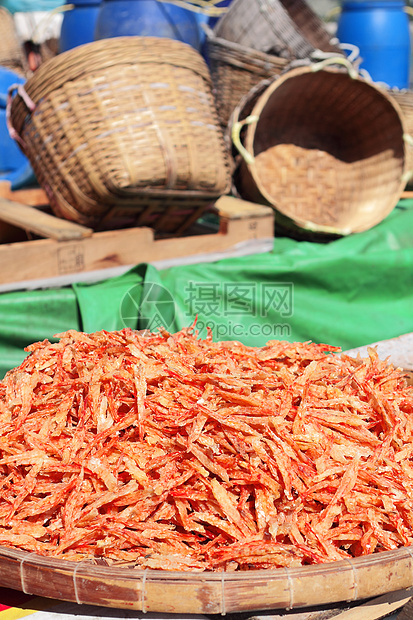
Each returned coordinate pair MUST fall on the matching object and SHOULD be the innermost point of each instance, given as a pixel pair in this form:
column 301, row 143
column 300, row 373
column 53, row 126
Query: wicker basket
column 11, row 52
column 124, row 127
column 324, row 149
column 288, row 28
column 404, row 98
column 235, row 70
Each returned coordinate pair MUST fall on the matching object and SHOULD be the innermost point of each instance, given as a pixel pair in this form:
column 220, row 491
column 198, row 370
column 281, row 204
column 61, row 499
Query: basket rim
column 76, row 63
column 292, row 583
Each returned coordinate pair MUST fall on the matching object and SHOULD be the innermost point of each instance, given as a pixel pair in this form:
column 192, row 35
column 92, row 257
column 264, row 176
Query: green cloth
column 30, row 316
column 349, row 292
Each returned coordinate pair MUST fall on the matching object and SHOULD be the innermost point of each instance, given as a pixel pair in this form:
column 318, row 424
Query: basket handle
column 236, row 138
column 336, row 60
column 29, row 103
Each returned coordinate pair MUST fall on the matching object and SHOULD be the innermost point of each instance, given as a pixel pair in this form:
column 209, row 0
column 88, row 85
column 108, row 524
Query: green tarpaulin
column 348, row 292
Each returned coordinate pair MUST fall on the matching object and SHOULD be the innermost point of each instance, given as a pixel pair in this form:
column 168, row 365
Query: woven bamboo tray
column 124, row 122
column 288, row 28
column 325, row 149
column 208, row 593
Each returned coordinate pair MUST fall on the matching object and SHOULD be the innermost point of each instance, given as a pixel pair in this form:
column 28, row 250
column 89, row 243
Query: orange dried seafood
column 174, row 452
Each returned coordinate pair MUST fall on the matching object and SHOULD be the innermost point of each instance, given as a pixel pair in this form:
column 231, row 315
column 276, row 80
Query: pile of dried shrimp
column 168, row 451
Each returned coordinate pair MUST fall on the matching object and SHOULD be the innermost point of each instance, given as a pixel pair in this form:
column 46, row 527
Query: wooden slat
column 377, row 608
column 407, row 194
column 407, row 611
column 48, row 258
column 373, row 609
column 40, row 223
column 32, row 196
column 236, row 208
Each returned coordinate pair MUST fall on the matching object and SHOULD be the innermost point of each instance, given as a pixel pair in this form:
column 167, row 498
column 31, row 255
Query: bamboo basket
column 235, row 70
column 325, row 149
column 124, row 125
column 11, row 52
column 205, row 592
column 288, row 28
column 404, row 98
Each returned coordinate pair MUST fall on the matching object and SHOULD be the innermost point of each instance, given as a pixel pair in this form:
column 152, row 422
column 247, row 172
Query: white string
column 410, row 552
column 355, row 597
column 145, row 572
column 290, row 588
column 78, row 601
column 223, row 606
column 22, row 577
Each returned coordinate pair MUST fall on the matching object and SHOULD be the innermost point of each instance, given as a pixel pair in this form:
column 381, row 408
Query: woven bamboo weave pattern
column 404, row 98
column 123, row 122
column 235, row 70
column 328, row 151
column 11, row 52
column 288, row 28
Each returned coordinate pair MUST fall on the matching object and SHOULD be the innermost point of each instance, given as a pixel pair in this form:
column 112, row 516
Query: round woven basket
column 235, row 69
column 324, row 149
column 288, row 28
column 11, row 52
column 124, row 128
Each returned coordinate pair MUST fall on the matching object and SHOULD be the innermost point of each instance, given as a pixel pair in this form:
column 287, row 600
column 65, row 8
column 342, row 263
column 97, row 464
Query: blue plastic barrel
column 147, row 18
column 79, row 23
column 380, row 29
column 14, row 166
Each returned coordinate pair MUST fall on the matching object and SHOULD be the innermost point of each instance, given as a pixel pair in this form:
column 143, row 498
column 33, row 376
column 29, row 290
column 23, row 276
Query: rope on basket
column 44, row 22
column 236, row 138
column 337, row 60
column 29, row 103
column 206, row 7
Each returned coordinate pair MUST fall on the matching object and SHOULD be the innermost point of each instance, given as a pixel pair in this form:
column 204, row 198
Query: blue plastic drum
column 148, row 18
column 78, row 25
column 380, row 29
column 14, row 166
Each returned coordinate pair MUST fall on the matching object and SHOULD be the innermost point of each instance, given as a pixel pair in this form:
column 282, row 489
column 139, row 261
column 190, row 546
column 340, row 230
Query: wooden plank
column 407, row 611
column 377, row 608
column 34, row 197
column 407, row 194
column 40, row 223
column 236, row 208
column 48, row 258
column 373, row 609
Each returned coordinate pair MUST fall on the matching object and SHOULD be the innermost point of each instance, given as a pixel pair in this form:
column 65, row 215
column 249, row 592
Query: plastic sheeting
column 348, row 292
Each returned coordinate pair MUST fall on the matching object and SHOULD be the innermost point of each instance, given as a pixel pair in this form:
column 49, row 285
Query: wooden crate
column 68, row 252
